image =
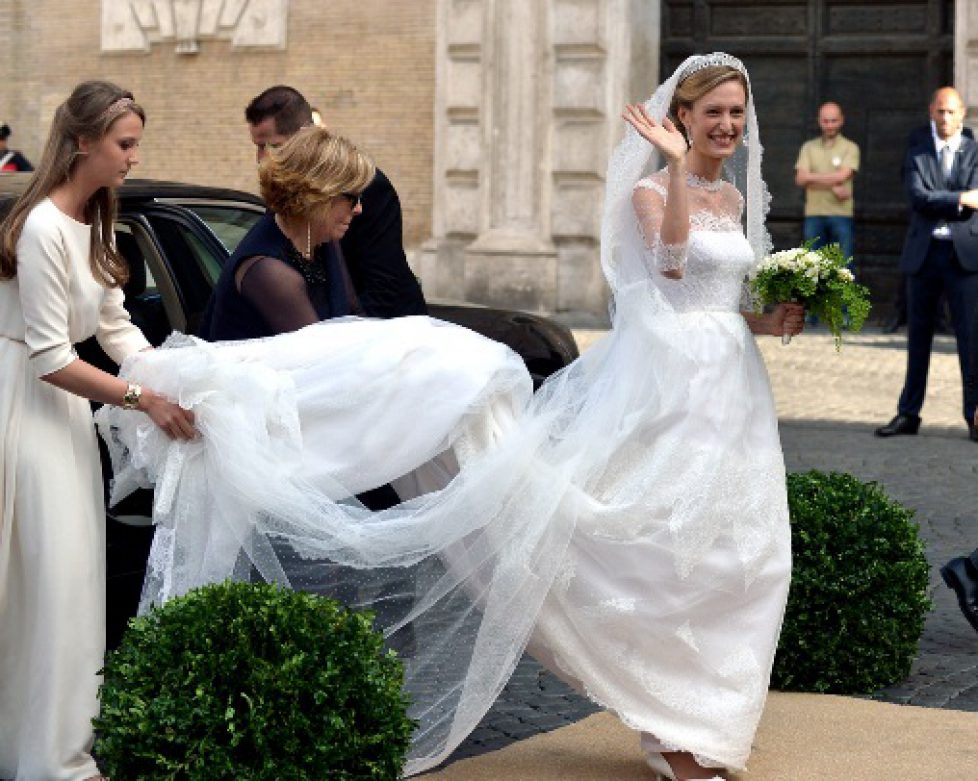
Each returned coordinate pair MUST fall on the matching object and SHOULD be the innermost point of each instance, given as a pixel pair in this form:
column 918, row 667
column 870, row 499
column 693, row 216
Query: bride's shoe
column 663, row 770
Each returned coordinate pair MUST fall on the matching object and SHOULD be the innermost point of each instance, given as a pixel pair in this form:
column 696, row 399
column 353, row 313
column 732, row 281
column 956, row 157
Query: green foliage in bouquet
column 858, row 588
column 819, row 279
column 251, row 681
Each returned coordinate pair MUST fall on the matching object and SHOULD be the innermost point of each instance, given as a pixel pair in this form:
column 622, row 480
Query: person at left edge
column 11, row 161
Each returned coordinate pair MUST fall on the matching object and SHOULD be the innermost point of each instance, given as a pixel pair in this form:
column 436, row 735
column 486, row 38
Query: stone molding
column 527, row 108
column 966, row 54
column 135, row 25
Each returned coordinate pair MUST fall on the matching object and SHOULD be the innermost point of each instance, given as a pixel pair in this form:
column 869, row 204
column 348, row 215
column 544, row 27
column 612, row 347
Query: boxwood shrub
column 251, row 681
column 858, row 588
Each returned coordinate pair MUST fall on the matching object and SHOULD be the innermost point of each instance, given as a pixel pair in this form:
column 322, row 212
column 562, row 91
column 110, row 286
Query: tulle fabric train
column 629, row 519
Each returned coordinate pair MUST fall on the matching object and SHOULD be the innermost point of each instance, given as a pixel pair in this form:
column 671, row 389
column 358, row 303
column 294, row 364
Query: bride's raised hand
column 664, row 136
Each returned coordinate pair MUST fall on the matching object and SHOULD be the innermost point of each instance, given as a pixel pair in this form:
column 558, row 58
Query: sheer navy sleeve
column 279, row 294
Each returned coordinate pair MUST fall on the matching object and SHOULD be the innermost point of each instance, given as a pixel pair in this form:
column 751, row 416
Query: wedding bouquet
column 817, row 278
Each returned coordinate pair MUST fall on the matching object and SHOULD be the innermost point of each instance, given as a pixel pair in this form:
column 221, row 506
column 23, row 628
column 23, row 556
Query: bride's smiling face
column 715, row 122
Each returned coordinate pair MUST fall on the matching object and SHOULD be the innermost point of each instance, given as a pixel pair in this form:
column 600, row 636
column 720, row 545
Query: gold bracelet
column 130, row 399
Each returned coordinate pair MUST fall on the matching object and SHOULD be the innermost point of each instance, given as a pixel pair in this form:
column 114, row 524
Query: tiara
column 118, row 107
column 709, row 61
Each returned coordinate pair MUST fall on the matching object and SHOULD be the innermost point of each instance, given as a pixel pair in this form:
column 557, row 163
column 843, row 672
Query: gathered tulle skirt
column 628, row 523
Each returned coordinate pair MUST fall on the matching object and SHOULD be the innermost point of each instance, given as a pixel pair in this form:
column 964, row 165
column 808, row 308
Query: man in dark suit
column 373, row 246
column 940, row 254
column 922, row 134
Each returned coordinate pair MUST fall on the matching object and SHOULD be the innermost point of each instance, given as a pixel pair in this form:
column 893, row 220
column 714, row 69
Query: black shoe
column 973, row 432
column 961, row 575
column 901, row 424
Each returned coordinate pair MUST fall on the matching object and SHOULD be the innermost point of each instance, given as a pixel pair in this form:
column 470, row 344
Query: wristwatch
column 130, row 399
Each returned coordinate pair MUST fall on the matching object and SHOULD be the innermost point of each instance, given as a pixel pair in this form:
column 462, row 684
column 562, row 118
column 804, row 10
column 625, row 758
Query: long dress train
column 630, row 518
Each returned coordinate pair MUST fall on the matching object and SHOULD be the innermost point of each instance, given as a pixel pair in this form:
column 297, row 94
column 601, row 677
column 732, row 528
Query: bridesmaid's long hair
column 89, row 112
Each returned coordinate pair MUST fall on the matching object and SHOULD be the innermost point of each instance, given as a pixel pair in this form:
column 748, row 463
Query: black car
column 176, row 237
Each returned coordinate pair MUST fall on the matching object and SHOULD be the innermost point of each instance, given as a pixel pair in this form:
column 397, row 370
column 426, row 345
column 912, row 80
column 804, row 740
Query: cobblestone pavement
column 829, row 403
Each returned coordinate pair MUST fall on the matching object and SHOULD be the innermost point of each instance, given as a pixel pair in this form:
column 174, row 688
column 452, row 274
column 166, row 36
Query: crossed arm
column 836, row 181
column 932, row 202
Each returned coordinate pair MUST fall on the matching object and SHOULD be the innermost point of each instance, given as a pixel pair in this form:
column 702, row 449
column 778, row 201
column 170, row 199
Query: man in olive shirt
column 825, row 169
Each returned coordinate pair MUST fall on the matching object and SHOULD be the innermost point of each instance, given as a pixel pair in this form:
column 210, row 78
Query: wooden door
column 879, row 59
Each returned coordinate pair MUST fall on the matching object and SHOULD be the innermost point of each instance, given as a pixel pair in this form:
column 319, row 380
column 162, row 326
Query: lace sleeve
column 649, row 202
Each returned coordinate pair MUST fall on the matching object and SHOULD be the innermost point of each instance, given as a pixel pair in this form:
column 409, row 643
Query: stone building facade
column 367, row 65
column 966, row 55
column 527, row 107
column 494, row 118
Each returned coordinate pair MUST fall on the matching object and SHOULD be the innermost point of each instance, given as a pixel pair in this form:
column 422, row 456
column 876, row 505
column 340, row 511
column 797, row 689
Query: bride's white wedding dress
column 629, row 522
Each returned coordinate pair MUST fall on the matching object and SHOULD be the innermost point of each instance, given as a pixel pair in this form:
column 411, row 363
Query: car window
column 131, row 242
column 208, row 261
column 196, row 260
column 229, row 223
column 151, row 298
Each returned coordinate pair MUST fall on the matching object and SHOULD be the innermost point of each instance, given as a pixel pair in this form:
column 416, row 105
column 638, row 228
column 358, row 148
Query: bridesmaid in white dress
column 60, row 279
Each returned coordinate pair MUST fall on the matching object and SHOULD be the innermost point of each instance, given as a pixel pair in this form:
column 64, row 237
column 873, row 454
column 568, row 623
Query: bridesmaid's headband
column 114, row 109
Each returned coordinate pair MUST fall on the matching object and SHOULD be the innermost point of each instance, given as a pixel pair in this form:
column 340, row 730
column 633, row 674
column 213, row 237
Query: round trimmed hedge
column 252, row 681
column 858, row 588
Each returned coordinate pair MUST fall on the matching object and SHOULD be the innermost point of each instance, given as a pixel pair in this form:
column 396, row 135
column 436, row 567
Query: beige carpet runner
column 803, row 737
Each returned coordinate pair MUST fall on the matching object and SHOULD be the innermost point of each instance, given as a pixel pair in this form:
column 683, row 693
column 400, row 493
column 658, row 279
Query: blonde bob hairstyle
column 700, row 82
column 310, row 170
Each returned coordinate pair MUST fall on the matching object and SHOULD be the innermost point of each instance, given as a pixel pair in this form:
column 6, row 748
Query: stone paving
column 828, row 405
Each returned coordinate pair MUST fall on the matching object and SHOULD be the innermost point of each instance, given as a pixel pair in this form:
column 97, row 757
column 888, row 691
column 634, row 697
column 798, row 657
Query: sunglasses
column 352, row 198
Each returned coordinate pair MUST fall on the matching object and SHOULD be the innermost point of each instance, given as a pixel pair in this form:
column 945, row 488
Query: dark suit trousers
column 940, row 273
column 971, row 381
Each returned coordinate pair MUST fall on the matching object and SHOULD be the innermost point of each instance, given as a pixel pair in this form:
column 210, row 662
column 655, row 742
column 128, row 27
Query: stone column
column 512, row 261
column 458, row 147
column 527, row 107
column 966, row 55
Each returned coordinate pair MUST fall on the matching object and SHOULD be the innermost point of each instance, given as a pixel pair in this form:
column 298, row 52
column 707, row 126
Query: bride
column 628, row 524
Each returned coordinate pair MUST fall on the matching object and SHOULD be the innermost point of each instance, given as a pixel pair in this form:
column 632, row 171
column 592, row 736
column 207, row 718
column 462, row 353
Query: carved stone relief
column 135, row 25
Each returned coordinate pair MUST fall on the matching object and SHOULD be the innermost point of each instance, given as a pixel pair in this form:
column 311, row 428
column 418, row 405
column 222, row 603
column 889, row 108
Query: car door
column 174, row 256
column 192, row 253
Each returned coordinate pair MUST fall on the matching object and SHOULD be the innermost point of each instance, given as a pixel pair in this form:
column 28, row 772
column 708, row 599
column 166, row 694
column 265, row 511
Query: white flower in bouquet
column 817, row 278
